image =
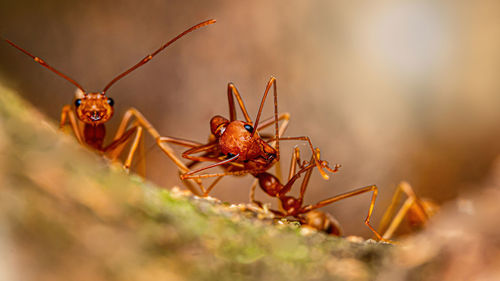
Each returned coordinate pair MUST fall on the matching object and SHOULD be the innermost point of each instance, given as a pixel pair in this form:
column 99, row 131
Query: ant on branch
column 94, row 109
column 294, row 207
column 417, row 211
column 237, row 146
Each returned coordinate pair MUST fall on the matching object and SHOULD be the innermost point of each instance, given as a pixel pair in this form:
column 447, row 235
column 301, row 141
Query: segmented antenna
column 139, row 64
column 44, row 64
column 149, row 57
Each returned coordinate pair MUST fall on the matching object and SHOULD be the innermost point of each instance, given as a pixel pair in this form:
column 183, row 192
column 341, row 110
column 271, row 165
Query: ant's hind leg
column 389, row 229
column 347, row 195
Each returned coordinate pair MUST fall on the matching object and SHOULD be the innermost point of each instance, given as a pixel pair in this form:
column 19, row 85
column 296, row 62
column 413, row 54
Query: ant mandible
column 236, row 145
column 294, row 207
column 94, row 109
column 416, row 210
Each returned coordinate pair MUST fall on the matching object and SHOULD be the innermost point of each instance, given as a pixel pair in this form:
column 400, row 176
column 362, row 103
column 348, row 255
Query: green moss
column 73, row 216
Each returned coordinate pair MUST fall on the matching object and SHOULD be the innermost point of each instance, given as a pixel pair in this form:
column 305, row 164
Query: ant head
column 239, row 138
column 93, row 108
column 323, row 222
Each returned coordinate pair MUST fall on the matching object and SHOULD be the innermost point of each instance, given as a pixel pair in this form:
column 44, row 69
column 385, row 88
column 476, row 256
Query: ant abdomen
column 322, row 222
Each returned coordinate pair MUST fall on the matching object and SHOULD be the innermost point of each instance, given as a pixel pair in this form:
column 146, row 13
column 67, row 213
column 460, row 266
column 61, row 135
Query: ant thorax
column 93, row 108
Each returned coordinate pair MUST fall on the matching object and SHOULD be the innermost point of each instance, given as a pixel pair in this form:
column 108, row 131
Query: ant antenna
column 272, row 82
column 44, row 64
column 149, row 57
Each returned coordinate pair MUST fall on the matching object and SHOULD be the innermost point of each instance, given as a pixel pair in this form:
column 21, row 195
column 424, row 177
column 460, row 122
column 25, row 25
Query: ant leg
column 230, row 173
column 288, row 186
column 305, row 182
column 132, row 112
column 231, row 90
column 114, row 149
column 178, row 141
column 133, row 148
column 252, row 194
column 270, row 121
column 260, row 204
column 201, row 148
column 140, row 163
column 266, row 123
column 195, row 147
column 190, row 174
column 285, row 117
column 389, row 213
column 389, row 229
column 68, row 114
column 129, row 114
column 319, row 163
column 347, row 195
column 398, row 218
column 141, row 120
column 212, row 185
column 293, row 163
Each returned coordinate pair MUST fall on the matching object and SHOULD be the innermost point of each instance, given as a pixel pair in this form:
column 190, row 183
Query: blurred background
column 392, row 90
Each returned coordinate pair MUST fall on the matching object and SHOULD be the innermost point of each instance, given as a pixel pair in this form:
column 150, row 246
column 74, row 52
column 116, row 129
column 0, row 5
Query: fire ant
column 416, row 210
column 93, row 109
column 236, row 145
column 294, row 207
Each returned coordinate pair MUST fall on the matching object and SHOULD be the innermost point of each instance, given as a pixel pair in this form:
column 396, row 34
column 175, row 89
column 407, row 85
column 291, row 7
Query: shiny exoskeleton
column 236, row 145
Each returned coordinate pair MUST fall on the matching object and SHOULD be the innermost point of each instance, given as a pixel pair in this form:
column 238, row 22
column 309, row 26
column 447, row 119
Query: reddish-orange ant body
column 294, row 207
column 237, row 146
column 94, row 109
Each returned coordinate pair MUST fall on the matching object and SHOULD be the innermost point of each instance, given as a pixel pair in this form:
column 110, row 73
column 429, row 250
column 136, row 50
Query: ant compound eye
column 78, row 102
column 249, row 128
column 110, row 101
column 230, row 155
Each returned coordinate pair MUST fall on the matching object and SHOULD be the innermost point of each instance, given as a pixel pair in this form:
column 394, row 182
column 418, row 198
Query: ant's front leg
column 285, row 117
column 142, row 121
column 115, row 148
column 319, row 163
column 67, row 114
